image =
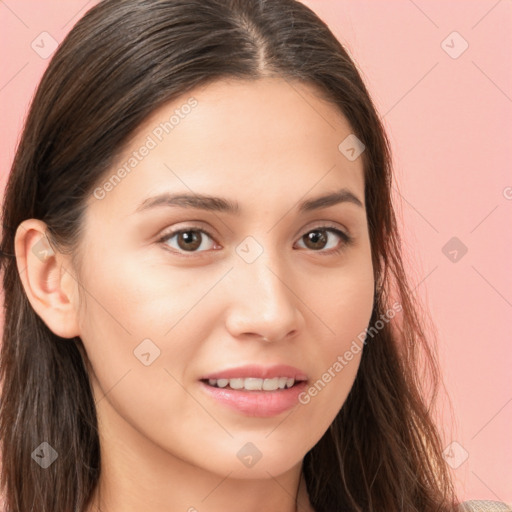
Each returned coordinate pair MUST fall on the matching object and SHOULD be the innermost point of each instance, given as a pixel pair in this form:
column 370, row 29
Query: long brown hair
column 123, row 60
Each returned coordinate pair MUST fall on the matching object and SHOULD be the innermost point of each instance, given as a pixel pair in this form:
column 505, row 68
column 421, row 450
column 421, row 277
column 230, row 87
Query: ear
column 47, row 278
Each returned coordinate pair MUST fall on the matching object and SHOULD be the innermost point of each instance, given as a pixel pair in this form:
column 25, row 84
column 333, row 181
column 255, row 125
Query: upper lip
column 259, row 372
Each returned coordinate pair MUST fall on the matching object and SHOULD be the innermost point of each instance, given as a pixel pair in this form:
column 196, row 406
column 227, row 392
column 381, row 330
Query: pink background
column 450, row 124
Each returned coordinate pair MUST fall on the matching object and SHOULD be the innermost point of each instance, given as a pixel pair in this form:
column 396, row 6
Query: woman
column 205, row 301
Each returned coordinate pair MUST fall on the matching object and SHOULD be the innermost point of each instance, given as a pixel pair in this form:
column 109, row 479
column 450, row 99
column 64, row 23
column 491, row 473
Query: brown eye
column 317, row 240
column 187, row 240
column 191, row 239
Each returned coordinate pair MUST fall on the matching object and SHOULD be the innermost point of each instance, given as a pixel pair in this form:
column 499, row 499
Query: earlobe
column 47, row 279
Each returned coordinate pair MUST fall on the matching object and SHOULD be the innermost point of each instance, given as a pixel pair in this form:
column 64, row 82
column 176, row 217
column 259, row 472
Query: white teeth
column 236, row 383
column 271, row 384
column 254, row 384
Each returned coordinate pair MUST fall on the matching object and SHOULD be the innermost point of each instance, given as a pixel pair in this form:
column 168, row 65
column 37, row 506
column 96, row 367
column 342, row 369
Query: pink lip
column 259, row 372
column 262, row 404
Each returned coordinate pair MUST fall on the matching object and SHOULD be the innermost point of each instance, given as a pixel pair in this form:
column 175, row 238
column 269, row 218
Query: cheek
column 344, row 303
column 146, row 321
column 345, row 311
column 141, row 335
column 135, row 299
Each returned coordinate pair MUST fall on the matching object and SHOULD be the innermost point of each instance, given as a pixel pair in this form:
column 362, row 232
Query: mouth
column 254, row 384
column 255, row 397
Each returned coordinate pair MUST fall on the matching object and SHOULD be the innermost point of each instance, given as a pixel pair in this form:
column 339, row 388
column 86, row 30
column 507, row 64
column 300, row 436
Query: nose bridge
column 262, row 298
column 265, row 280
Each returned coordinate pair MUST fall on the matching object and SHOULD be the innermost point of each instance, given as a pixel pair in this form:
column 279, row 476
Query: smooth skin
column 166, row 445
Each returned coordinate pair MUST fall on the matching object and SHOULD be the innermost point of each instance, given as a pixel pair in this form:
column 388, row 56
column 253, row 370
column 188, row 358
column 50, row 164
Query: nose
column 263, row 303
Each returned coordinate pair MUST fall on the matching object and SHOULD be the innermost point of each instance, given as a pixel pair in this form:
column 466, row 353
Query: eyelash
column 347, row 240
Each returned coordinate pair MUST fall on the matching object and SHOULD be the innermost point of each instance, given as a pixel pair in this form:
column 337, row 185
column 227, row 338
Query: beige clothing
column 484, row 506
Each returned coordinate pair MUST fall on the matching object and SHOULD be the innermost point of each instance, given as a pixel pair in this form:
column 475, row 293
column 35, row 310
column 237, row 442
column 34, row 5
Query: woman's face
column 163, row 311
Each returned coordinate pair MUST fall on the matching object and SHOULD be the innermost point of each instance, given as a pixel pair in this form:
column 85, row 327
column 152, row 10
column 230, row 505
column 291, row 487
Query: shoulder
column 484, row 506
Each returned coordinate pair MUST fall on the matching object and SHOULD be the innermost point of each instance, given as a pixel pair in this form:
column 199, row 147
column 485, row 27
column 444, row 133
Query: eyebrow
column 219, row 204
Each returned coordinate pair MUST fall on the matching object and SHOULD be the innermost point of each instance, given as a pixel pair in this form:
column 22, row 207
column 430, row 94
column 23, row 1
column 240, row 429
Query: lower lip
column 263, row 404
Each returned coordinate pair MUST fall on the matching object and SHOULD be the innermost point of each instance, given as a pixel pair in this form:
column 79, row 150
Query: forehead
column 249, row 139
